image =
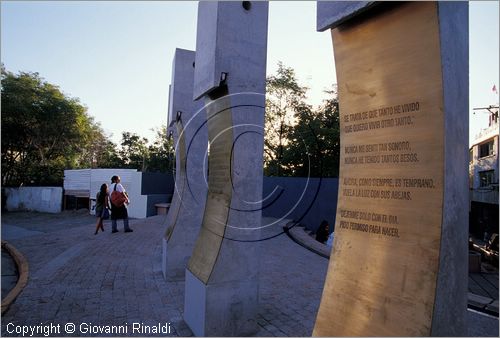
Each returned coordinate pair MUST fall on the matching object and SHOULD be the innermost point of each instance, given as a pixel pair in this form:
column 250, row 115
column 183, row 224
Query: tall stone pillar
column 221, row 296
column 187, row 121
column 399, row 260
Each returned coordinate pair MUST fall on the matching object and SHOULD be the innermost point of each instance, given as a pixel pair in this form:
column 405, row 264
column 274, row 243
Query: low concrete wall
column 308, row 200
column 42, row 199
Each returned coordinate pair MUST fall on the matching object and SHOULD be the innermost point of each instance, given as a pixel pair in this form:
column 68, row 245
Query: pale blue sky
column 117, row 56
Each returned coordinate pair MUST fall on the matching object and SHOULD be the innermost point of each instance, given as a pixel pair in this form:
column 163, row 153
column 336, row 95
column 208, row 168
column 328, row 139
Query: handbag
column 118, row 198
column 105, row 213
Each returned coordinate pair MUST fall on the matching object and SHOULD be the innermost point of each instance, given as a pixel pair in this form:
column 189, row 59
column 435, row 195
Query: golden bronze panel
column 383, row 270
column 216, row 214
column 180, row 184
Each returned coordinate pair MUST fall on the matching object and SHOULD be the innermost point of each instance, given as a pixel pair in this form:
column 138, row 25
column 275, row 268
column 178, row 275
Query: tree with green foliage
column 96, row 150
column 161, row 152
column 314, row 142
column 299, row 141
column 137, row 153
column 134, row 151
column 43, row 131
column 285, row 100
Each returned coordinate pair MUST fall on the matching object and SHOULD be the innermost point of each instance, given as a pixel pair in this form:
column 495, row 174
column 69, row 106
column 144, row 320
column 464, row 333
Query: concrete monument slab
column 222, row 275
column 398, row 265
column 187, row 122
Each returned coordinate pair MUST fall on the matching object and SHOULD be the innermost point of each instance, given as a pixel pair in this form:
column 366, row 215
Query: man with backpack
column 119, row 200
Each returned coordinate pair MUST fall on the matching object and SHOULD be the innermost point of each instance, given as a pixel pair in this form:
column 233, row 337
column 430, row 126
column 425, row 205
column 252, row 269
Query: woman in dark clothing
column 101, row 205
column 322, row 232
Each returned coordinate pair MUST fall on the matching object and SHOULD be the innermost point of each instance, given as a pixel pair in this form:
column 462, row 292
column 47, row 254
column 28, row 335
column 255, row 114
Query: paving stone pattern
column 484, row 284
column 116, row 279
column 9, row 273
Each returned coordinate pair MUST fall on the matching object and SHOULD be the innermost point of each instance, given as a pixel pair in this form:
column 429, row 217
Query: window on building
column 486, row 178
column 486, row 149
column 471, row 155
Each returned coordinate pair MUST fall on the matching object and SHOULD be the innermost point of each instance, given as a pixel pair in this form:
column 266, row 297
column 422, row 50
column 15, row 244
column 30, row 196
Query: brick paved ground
column 113, row 279
column 9, row 273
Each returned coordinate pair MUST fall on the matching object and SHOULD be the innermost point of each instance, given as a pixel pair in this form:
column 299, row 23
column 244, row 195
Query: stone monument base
column 222, row 309
column 174, row 259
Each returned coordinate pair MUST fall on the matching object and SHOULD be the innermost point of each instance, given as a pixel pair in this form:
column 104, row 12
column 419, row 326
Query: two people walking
column 117, row 201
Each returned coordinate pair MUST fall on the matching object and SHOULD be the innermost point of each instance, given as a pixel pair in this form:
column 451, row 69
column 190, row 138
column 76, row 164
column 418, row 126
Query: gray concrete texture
column 230, row 78
column 191, row 142
column 449, row 318
column 331, row 14
column 222, row 46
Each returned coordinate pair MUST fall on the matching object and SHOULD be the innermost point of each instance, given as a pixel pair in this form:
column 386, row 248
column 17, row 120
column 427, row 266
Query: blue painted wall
column 159, row 188
column 308, row 200
column 157, row 183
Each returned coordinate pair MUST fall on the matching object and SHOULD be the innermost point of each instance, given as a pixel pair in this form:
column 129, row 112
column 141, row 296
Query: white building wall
column 485, row 194
column 92, row 179
column 138, row 202
column 77, row 179
column 101, row 176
